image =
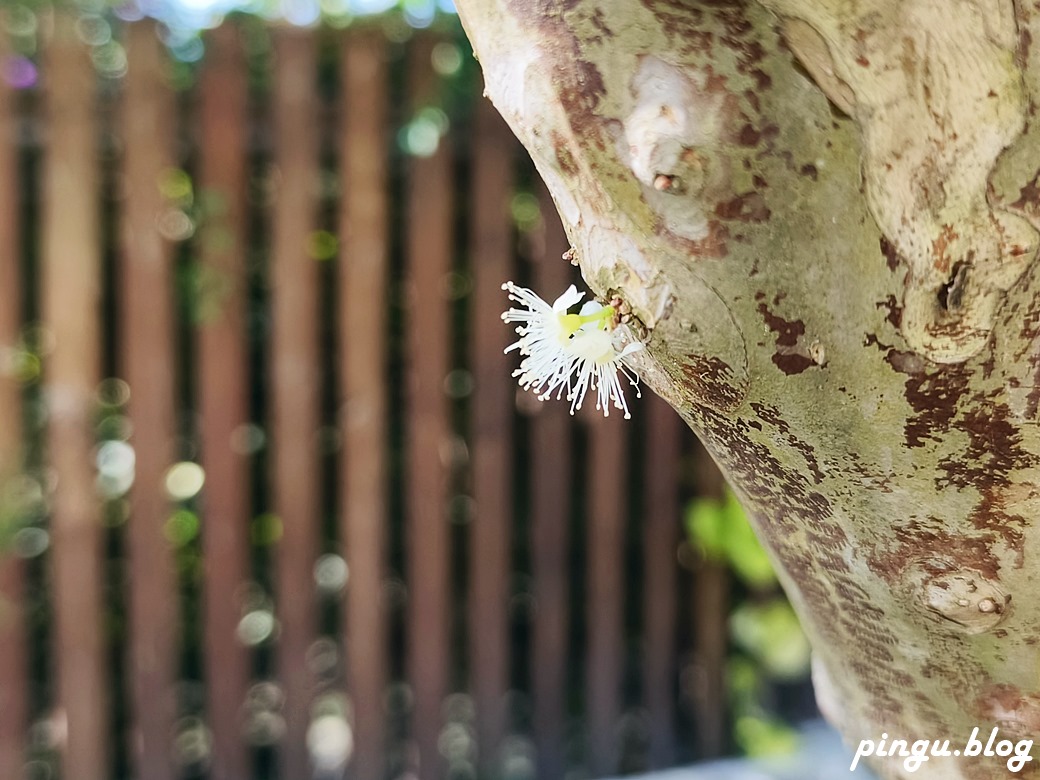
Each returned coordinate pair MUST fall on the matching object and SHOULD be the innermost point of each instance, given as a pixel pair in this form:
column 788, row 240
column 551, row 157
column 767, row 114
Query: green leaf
column 706, row 526
column 759, row 737
column 771, row 634
column 721, row 531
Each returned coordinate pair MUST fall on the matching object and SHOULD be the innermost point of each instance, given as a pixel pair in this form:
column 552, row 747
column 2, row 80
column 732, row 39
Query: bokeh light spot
column 526, row 212
column 115, row 465
column 184, row 480
column 248, row 439
column 113, row 392
column 181, row 527
column 19, row 72
column 31, row 542
column 322, row 245
column 193, row 743
column 175, row 225
column 255, row 627
column 446, row 58
column 331, row 573
column 330, row 742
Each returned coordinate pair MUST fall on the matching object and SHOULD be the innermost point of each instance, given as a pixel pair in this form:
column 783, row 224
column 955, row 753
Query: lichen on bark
column 825, row 215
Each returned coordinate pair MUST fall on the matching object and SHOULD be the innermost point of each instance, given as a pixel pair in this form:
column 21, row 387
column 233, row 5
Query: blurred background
column 271, row 505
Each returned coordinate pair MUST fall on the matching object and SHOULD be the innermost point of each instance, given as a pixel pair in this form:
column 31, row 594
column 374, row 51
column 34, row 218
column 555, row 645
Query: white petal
column 592, row 345
column 591, row 307
column 570, row 297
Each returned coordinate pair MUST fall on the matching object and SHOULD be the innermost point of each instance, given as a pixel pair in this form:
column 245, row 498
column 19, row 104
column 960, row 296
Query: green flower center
column 572, row 323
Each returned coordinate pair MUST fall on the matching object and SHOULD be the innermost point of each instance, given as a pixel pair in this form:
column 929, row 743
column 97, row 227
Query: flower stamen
column 569, row 353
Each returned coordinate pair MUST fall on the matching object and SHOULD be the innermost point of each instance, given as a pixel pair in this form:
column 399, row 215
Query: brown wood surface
column 295, row 378
column 13, row 652
column 662, row 524
column 491, row 254
column 429, row 248
column 223, row 393
column 362, row 304
column 147, row 126
column 70, row 295
column 552, row 485
column 606, row 491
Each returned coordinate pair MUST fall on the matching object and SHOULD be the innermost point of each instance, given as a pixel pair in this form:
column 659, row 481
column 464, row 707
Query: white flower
column 569, row 352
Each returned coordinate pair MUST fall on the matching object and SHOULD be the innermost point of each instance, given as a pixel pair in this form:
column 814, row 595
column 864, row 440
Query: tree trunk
column 823, row 217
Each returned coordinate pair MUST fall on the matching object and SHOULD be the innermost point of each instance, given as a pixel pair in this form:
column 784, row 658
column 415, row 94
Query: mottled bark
column 824, row 216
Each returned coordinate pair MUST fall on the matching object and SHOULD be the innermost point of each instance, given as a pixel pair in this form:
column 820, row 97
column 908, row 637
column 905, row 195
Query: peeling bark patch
column 782, row 499
column 716, row 383
column 895, row 311
column 994, row 450
column 748, row 136
column 771, row 415
column 992, row 516
column 581, row 88
column 579, row 83
column 934, row 397
column 684, row 25
column 598, row 20
column 748, row 207
column 993, row 453
column 1014, row 711
column 934, row 393
column 712, row 247
column 564, row 157
column 891, row 254
column 917, row 541
column 790, row 357
column 940, row 248
column 1029, row 197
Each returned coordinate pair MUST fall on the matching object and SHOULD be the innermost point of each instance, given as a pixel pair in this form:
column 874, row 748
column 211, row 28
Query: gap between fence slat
column 605, row 596
column 295, row 385
column 429, row 248
column 662, row 523
column 362, row 304
column 147, row 122
column 551, row 487
column 14, row 705
column 223, row 392
column 491, row 255
column 71, row 279
column 710, row 604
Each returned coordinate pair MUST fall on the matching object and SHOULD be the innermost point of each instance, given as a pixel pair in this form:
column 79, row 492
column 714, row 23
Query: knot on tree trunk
column 938, row 96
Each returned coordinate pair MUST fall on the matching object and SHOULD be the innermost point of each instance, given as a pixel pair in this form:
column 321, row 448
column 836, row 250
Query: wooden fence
column 279, row 271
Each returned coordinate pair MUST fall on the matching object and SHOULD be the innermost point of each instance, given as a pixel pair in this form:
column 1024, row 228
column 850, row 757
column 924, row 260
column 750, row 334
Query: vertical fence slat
column 147, row 121
column 491, row 431
column 605, row 598
column 71, row 271
column 710, row 603
column 296, row 385
column 660, row 603
column 361, row 299
column 429, row 258
column 13, row 655
column 223, row 392
column 551, row 488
